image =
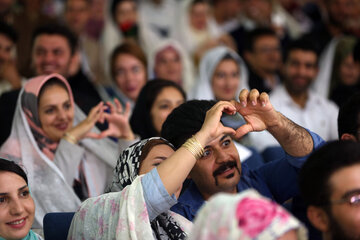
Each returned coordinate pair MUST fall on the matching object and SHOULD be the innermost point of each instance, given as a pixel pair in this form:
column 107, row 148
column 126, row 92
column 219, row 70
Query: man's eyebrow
column 221, row 139
column 350, row 193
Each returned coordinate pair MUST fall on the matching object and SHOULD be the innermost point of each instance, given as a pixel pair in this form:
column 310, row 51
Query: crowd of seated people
column 115, row 110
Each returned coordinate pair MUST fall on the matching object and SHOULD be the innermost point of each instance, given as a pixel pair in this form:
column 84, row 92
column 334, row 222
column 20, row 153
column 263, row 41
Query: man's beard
column 337, row 232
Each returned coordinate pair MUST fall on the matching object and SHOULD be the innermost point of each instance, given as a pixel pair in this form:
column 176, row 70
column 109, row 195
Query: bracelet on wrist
column 70, row 138
column 194, row 147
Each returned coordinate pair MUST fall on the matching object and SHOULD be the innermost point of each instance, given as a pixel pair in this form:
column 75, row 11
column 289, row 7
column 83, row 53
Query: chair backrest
column 57, row 224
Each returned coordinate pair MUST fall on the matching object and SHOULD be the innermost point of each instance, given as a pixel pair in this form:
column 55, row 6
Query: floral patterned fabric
column 117, row 215
column 247, row 215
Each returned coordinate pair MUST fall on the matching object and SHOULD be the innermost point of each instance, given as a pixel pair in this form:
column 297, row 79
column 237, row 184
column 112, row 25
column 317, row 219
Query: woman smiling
column 17, row 208
column 68, row 159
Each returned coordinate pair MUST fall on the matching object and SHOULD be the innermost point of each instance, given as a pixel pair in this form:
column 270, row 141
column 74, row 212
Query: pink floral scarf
column 245, row 216
column 29, row 105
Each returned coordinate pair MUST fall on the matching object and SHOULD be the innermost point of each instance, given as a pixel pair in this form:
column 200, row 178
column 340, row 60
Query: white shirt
column 319, row 115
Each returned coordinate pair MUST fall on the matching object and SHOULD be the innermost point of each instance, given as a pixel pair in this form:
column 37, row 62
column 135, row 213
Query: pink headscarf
column 246, row 215
column 29, row 104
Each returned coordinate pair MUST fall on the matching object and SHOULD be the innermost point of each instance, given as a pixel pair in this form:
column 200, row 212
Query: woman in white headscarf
column 197, row 32
column 168, row 60
column 246, row 215
column 222, row 75
column 67, row 158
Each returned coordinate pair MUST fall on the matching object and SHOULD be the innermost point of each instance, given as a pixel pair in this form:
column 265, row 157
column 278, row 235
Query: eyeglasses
column 352, row 199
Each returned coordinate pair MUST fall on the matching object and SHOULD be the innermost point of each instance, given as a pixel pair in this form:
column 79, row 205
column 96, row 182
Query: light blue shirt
column 156, row 197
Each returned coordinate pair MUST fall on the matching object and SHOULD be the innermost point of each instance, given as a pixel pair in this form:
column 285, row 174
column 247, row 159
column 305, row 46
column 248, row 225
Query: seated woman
column 17, row 208
column 222, row 75
column 345, row 77
column 139, row 209
column 246, row 215
column 197, row 30
column 128, row 72
column 53, row 138
column 155, row 102
column 168, row 60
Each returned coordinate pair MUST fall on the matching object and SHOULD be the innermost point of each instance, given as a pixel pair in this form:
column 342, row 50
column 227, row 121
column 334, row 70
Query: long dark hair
column 141, row 121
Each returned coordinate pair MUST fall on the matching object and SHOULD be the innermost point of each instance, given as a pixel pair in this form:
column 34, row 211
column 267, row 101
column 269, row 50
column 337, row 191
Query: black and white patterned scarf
column 127, row 168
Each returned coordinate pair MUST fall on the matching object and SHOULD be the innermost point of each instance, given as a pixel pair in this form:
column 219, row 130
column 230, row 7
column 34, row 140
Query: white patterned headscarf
column 127, row 168
column 245, row 216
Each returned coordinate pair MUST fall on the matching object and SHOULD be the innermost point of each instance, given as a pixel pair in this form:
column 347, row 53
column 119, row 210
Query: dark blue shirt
column 276, row 180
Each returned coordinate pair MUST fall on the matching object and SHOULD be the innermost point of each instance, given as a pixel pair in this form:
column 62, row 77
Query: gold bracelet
column 70, row 138
column 194, row 146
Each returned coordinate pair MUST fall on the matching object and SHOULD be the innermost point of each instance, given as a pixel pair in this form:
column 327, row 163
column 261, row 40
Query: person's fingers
column 243, row 97
column 264, row 99
column 227, row 130
column 244, row 129
column 118, row 105
column 222, row 106
column 111, row 106
column 253, row 96
column 95, row 110
column 127, row 109
column 93, row 135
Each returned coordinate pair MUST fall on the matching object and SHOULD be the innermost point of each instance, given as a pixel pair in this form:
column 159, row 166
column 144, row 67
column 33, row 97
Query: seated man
column 330, row 186
column 220, row 170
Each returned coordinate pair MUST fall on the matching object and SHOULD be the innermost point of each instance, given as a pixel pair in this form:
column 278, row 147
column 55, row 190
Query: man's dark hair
column 315, row 174
column 56, row 29
column 349, row 116
column 252, row 36
column 185, row 120
column 300, row 44
column 10, row 166
column 8, row 31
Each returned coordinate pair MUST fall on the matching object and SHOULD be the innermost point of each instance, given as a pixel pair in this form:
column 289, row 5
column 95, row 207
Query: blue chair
column 57, row 224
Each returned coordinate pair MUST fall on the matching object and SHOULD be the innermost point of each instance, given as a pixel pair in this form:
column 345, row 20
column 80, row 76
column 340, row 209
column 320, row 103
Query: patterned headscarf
column 127, row 168
column 29, row 104
column 246, row 215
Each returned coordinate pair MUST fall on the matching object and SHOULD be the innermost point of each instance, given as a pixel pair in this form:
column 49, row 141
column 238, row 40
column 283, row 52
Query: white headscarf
column 246, row 215
column 208, row 64
column 185, row 33
column 50, row 191
column 187, row 66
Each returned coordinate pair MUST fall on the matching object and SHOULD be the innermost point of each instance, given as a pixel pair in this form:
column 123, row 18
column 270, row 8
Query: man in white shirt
column 296, row 100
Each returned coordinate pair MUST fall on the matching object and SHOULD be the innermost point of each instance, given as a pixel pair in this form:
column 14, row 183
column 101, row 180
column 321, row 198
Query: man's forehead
column 4, row 39
column 53, row 40
column 345, row 179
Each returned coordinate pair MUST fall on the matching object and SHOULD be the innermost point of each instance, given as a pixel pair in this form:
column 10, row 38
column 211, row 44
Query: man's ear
column 248, row 56
column 318, row 218
column 348, row 137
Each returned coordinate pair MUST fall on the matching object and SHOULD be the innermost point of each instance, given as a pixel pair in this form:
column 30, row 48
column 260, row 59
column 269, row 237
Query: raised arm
column 176, row 168
column 260, row 115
